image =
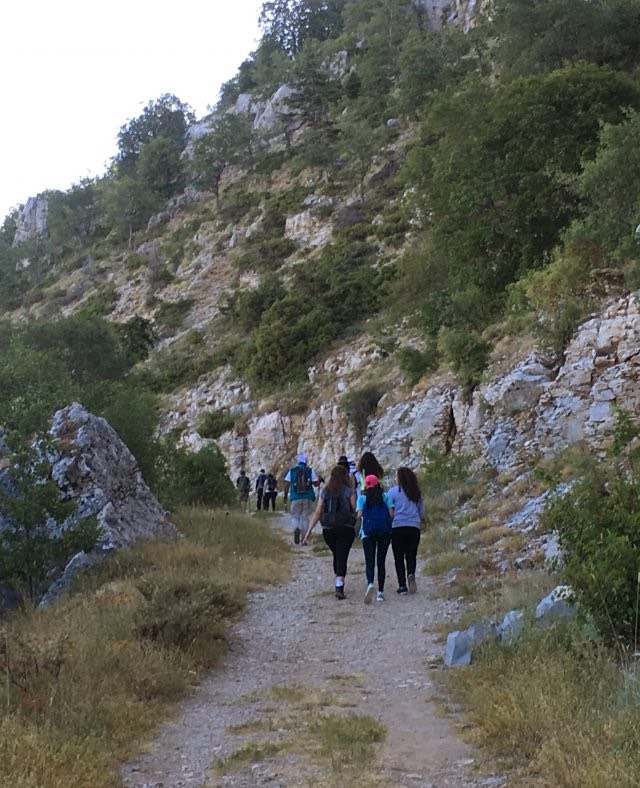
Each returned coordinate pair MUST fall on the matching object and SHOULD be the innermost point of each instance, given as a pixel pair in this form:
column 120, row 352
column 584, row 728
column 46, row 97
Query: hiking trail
column 299, row 654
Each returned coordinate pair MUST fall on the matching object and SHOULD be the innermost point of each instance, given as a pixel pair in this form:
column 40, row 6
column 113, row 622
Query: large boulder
column 95, row 468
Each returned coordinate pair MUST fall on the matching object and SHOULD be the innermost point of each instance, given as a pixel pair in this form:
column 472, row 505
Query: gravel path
column 373, row 659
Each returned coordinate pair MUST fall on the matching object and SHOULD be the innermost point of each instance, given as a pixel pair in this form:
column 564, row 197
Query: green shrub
column 184, row 477
column 598, row 523
column 171, row 314
column 467, row 353
column 359, row 405
column 214, row 423
column 442, row 470
column 416, row 363
column 267, row 253
column 31, row 549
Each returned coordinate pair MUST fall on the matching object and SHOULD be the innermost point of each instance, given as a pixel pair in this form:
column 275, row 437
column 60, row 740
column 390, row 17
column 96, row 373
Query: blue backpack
column 376, row 519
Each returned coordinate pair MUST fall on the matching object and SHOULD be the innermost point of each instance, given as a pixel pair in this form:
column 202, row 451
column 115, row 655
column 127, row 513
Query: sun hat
column 303, row 458
column 371, row 481
column 343, row 460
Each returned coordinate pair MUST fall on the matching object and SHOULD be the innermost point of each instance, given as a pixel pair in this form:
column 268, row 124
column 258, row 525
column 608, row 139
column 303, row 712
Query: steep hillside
column 391, row 209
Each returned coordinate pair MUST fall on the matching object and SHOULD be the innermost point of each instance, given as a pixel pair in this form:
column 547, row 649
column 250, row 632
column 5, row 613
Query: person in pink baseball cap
column 374, row 510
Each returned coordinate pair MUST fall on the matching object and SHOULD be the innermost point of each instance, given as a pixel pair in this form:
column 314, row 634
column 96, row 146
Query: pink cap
column 371, row 481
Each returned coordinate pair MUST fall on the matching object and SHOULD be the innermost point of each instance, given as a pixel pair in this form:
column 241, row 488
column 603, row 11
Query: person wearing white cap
column 300, row 481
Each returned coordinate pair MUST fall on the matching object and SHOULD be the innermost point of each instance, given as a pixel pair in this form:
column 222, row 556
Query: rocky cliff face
column 32, row 221
column 459, row 13
column 537, row 406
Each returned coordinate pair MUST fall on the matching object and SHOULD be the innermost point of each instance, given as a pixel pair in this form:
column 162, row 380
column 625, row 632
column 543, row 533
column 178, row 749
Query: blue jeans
column 375, row 548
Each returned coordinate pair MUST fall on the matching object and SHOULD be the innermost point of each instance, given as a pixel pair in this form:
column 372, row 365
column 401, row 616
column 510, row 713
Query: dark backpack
column 301, row 482
column 271, row 483
column 334, row 511
column 376, row 519
column 244, row 485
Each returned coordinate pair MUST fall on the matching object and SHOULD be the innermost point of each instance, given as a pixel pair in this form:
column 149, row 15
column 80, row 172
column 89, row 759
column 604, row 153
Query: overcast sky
column 74, row 71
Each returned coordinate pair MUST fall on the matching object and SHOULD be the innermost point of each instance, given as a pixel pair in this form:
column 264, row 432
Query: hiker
column 375, row 511
column 270, row 492
column 261, row 479
column 336, row 513
column 350, row 467
column 409, row 513
column 368, row 466
column 301, row 479
column 243, row 486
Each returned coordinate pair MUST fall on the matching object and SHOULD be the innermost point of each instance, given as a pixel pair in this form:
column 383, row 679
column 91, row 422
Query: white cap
column 303, row 458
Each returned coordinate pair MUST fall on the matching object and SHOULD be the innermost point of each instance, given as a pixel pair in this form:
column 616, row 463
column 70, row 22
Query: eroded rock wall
column 538, row 406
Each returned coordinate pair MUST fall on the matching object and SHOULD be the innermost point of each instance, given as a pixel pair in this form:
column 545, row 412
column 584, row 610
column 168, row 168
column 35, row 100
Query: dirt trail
column 372, row 660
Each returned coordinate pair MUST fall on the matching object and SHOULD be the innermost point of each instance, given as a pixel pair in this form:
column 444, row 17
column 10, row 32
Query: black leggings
column 339, row 540
column 269, row 496
column 404, row 543
column 372, row 544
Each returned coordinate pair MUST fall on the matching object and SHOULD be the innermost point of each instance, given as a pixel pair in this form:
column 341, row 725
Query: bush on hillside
column 467, row 352
column 185, row 478
column 416, row 363
column 214, row 423
column 598, row 523
column 359, row 405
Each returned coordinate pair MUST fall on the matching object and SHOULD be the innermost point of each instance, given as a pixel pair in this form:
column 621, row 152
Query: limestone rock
column 32, row 220
column 459, row 648
column 458, row 13
column 555, row 606
column 306, row 230
column 270, row 115
column 94, row 467
column 511, row 626
column 521, row 388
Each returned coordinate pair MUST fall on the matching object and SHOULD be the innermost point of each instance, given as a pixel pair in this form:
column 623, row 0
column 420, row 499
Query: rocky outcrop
column 277, row 112
column 536, row 406
column 601, row 369
column 305, row 229
column 95, row 468
column 31, row 222
column 458, row 13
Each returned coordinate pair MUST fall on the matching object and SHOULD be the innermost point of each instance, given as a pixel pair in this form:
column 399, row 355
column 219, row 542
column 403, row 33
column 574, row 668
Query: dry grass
column 92, row 675
column 466, row 561
column 489, row 536
column 558, row 706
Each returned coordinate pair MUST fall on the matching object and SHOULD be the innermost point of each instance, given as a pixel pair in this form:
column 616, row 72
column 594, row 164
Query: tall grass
column 87, row 679
column 558, row 705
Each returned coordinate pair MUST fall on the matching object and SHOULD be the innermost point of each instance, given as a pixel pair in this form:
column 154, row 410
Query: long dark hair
column 338, row 479
column 369, row 466
column 408, row 483
column 374, row 495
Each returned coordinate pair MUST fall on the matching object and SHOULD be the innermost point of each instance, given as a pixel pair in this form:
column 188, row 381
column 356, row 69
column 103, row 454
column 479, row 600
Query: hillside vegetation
column 431, row 188
column 464, row 178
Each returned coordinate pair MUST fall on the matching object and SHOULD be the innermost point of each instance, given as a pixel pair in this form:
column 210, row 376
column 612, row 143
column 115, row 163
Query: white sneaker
column 379, row 597
column 368, row 597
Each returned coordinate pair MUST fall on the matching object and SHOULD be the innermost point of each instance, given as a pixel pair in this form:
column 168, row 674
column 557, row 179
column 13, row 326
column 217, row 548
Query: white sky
column 72, row 72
